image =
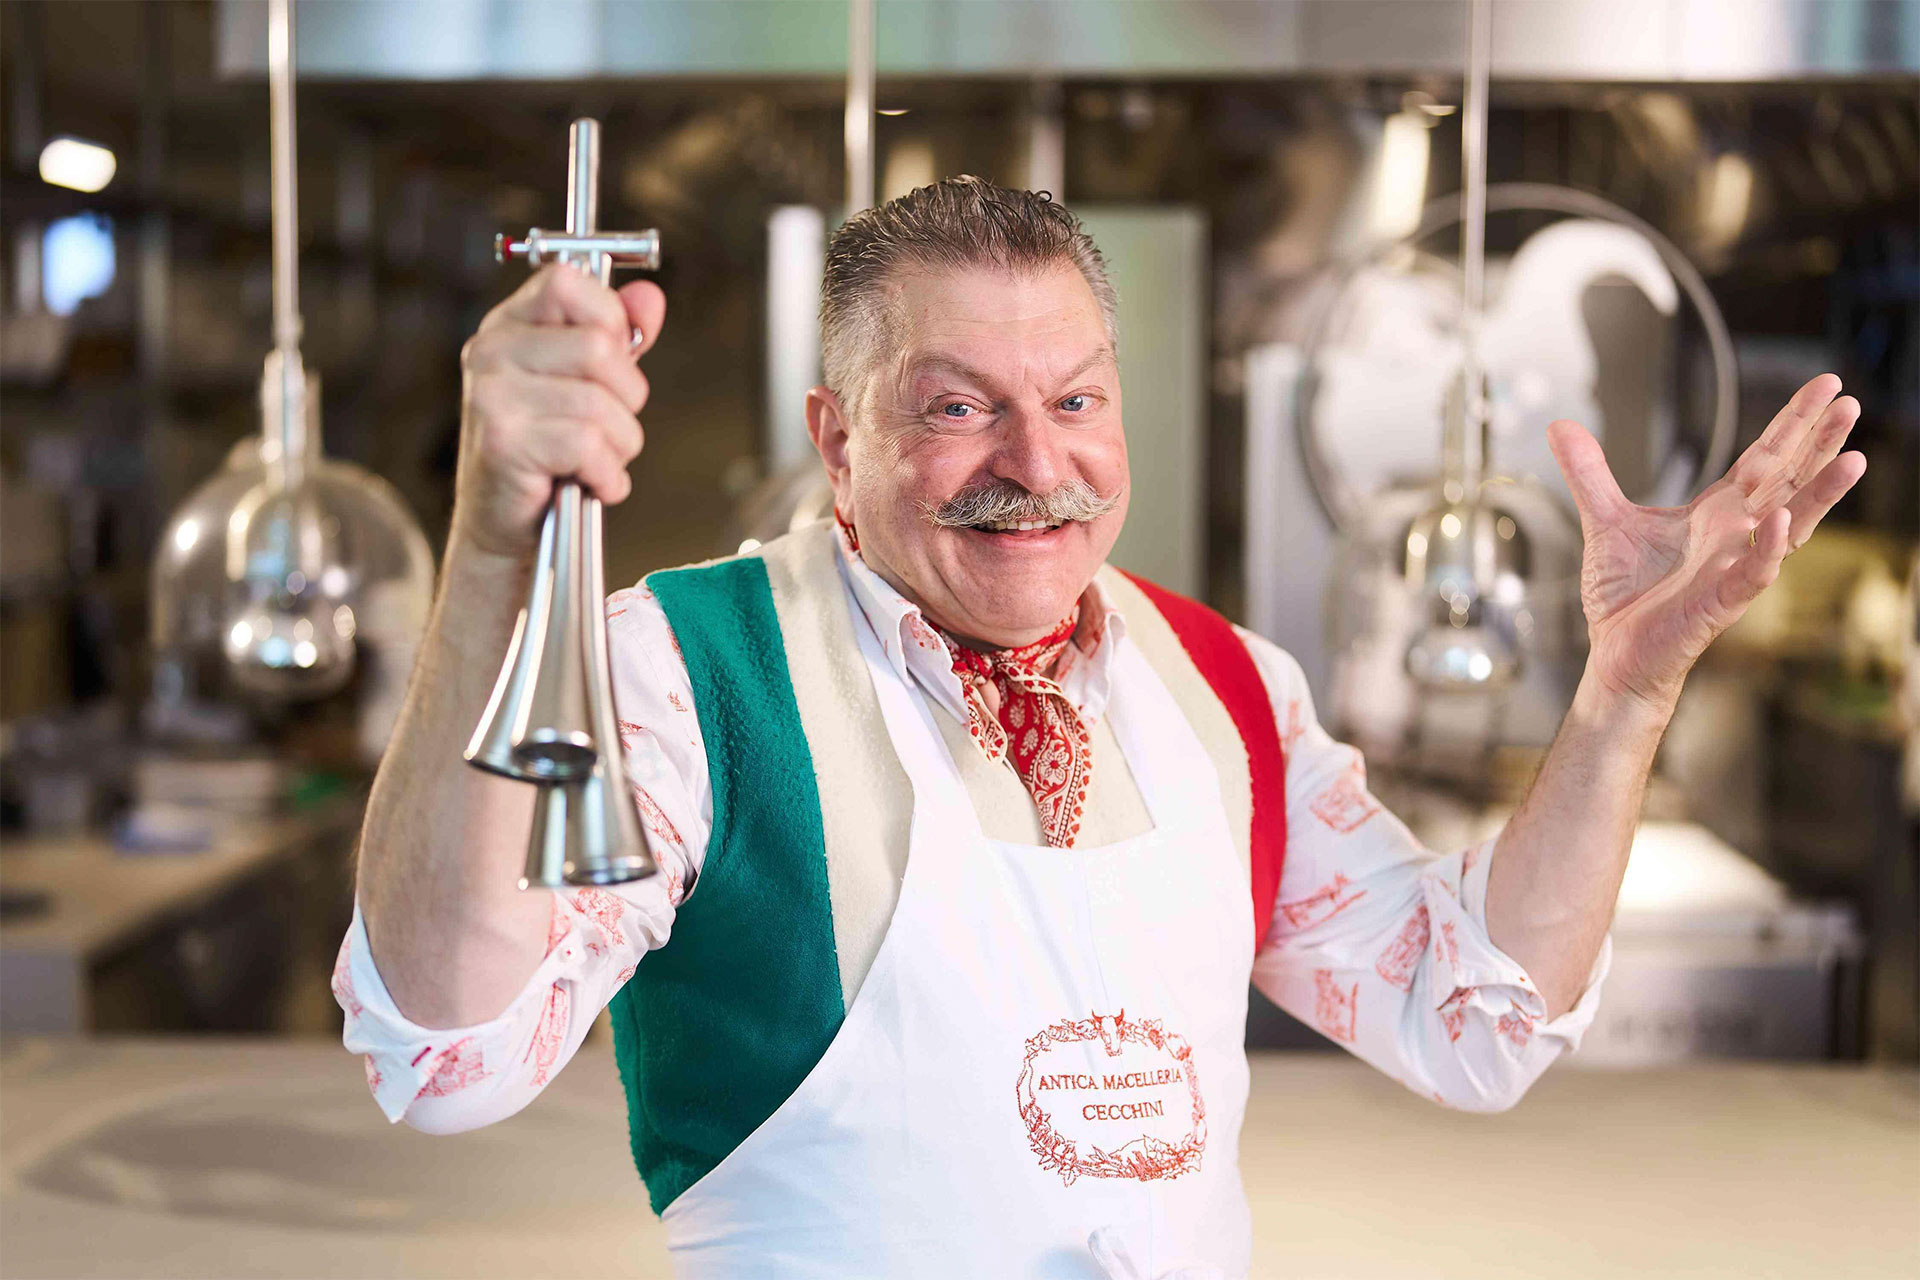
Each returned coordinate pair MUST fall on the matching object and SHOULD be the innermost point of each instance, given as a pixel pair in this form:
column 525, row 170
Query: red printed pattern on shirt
column 551, row 1032
column 558, row 923
column 1336, row 1008
column 659, row 825
column 343, row 981
column 603, row 909
column 923, row 635
column 1092, row 632
column 1346, row 804
column 1517, row 1027
column 1402, row 957
column 1453, row 1013
column 460, row 1067
column 1323, row 903
column 1295, row 726
column 667, row 837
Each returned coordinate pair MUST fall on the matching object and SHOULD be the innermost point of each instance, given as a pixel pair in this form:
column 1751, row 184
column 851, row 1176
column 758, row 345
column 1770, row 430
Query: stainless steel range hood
column 1631, row 40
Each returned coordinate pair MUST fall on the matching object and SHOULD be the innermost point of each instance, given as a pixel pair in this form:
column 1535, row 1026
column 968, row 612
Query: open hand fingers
column 1595, row 492
column 1801, row 439
column 1811, row 452
column 1753, row 572
column 1817, row 497
column 1799, row 413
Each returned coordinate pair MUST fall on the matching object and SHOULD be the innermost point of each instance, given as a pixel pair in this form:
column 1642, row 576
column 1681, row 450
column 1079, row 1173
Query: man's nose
column 1029, row 452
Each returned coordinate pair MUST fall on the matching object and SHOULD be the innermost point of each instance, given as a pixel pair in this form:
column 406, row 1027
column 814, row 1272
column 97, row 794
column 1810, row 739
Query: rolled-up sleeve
column 445, row 1080
column 1381, row 943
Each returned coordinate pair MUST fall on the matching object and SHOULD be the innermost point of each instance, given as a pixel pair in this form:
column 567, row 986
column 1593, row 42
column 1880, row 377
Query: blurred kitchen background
column 1694, row 206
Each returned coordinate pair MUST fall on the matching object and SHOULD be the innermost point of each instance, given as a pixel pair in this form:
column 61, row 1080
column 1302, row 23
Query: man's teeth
column 1020, row 526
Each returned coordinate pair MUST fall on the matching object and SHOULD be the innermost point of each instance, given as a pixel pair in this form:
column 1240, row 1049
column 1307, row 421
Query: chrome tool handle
column 551, row 719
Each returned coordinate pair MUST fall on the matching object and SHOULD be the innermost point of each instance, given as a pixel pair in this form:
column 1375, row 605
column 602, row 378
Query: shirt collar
column 918, row 655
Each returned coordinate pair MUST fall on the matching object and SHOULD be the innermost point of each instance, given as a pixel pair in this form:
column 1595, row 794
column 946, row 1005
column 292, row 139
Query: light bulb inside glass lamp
column 287, row 630
column 1469, row 562
column 289, row 627
column 229, row 616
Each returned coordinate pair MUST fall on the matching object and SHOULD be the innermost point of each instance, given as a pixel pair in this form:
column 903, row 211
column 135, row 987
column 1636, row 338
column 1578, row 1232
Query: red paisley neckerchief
column 1015, row 710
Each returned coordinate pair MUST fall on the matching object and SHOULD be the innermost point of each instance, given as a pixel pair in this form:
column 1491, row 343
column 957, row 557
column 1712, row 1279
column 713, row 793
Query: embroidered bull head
column 1110, row 1031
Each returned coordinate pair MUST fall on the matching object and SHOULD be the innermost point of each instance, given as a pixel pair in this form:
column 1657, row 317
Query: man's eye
column 1074, row 404
column 956, row 410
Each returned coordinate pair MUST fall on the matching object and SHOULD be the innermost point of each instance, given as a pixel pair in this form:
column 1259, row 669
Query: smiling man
column 970, row 843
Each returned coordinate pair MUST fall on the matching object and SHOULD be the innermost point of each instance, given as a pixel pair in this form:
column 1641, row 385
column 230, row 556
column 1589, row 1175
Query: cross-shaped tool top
column 597, row 252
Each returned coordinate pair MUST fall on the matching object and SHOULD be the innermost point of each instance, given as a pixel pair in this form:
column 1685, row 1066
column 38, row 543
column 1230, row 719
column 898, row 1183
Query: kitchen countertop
column 101, row 899
column 211, row 1158
column 101, row 895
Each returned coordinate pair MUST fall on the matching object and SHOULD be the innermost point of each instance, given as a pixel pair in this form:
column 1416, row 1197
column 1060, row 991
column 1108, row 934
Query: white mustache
column 1008, row 503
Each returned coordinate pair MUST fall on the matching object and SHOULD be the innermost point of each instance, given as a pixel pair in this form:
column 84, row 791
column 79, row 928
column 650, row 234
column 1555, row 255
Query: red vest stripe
column 1224, row 663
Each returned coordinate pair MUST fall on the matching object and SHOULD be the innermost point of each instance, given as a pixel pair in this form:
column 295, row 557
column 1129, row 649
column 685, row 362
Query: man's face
column 991, row 379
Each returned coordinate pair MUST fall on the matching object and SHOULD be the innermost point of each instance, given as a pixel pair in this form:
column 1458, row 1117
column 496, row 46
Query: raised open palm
column 1659, row 583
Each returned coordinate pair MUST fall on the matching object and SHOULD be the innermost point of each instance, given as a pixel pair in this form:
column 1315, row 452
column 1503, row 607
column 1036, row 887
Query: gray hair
column 955, row 223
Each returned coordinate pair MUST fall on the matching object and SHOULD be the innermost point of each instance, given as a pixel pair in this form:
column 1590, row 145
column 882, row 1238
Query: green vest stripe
column 718, row 1027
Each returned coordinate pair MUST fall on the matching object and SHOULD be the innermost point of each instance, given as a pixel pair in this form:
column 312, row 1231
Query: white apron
column 1044, row 1072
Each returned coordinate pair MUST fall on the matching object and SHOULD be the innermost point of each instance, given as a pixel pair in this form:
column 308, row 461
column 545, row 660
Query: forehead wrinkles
column 894, row 335
column 974, row 350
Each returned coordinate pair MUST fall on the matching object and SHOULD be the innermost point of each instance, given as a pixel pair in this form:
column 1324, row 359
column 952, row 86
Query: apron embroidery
column 1152, row 1084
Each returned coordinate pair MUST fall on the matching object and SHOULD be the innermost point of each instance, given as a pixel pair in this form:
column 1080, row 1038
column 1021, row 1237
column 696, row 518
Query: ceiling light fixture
column 77, row 165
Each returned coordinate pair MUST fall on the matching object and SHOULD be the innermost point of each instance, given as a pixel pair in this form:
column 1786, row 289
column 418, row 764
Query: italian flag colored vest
column 721, row 1024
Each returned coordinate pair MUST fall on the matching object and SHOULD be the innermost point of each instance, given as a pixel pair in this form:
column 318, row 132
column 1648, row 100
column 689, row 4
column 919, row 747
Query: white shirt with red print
column 1376, row 941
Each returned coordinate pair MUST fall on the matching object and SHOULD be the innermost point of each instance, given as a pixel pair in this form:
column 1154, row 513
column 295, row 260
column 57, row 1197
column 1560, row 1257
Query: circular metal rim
column 1340, row 503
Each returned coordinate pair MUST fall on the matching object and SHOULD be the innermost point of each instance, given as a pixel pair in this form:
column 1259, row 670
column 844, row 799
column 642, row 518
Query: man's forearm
column 1556, row 868
column 444, row 844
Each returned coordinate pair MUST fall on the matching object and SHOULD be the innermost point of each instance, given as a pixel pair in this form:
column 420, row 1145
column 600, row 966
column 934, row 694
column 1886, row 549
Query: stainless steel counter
column 197, row 1158
column 103, row 901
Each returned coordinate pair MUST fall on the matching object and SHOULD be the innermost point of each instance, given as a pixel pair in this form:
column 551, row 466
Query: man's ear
column 828, row 428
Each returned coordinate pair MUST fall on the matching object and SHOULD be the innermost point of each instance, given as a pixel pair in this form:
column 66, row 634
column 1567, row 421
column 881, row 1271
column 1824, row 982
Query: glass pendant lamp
column 287, row 564
column 1457, row 628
